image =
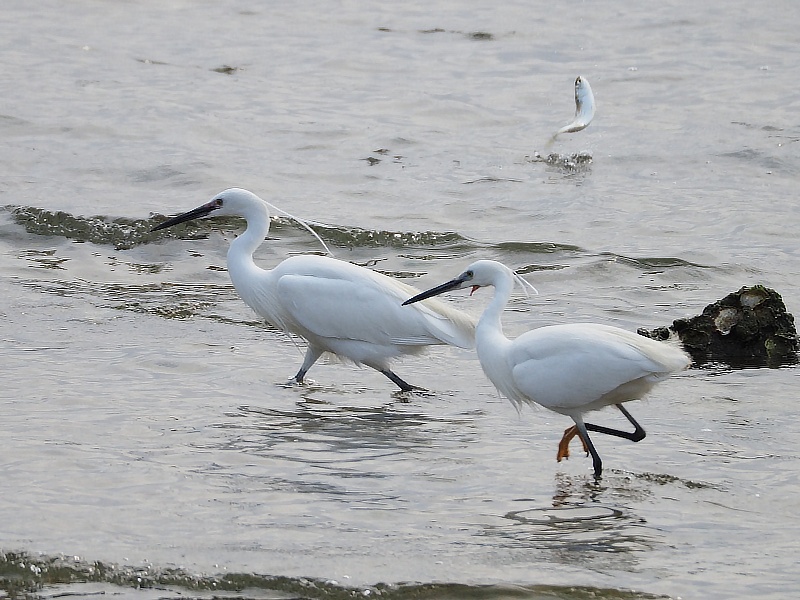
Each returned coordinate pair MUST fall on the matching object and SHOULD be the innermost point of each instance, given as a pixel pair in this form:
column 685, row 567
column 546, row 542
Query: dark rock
column 750, row 327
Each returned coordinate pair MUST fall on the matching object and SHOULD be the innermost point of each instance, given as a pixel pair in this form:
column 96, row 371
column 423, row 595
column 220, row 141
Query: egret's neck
column 489, row 331
column 493, row 346
column 241, row 266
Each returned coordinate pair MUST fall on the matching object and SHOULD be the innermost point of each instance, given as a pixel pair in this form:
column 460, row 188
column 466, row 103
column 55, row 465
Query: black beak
column 200, row 211
column 453, row 284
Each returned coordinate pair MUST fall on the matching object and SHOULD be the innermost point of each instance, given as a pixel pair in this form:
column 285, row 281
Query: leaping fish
column 584, row 108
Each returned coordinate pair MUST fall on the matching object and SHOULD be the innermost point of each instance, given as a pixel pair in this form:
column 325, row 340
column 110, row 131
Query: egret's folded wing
column 570, row 369
column 344, row 309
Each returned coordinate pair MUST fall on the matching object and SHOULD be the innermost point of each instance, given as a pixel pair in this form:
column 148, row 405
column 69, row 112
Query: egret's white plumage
column 336, row 306
column 570, row 369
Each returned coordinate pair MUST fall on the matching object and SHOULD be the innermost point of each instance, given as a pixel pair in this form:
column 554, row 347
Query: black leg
column 639, row 432
column 300, row 375
column 637, row 435
column 404, row 386
column 312, row 354
column 596, row 462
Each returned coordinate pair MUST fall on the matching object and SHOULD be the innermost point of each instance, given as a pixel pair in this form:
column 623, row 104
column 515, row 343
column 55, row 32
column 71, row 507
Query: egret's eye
column 218, row 202
column 469, row 274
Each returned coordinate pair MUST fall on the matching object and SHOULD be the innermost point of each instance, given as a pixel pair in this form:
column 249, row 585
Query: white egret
column 570, row 369
column 336, row 306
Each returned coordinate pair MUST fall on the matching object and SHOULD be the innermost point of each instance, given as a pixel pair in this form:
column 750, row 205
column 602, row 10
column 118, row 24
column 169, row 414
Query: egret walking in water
column 336, row 306
column 570, row 369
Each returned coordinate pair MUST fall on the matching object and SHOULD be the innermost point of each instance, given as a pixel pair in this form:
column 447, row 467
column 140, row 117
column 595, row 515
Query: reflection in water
column 584, row 525
column 574, row 491
column 327, row 433
column 321, row 447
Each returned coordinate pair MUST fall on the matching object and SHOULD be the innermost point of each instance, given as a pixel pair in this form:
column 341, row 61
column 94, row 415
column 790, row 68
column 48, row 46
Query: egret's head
column 479, row 274
column 236, row 202
column 483, row 273
column 231, row 202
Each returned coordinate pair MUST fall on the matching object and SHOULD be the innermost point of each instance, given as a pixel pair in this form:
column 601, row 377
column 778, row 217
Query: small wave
column 24, row 576
column 665, row 479
column 762, row 158
column 124, row 233
column 654, row 263
column 349, row 237
column 490, row 179
column 537, row 248
column 121, row 233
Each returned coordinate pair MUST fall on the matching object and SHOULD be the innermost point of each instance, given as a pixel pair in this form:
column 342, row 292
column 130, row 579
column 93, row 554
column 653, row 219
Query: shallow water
column 144, row 422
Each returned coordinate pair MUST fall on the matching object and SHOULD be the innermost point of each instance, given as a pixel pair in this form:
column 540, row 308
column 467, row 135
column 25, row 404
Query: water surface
column 147, row 437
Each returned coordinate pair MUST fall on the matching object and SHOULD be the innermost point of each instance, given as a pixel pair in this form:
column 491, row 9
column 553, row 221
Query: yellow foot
column 563, row 445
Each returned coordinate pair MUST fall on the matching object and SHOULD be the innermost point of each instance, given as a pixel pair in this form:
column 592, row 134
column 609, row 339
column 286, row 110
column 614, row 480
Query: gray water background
column 142, row 418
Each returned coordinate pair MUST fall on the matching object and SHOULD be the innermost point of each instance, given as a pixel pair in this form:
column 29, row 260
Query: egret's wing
column 356, row 309
column 569, row 366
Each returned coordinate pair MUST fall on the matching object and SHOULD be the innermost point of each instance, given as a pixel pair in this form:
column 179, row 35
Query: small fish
column 584, row 108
